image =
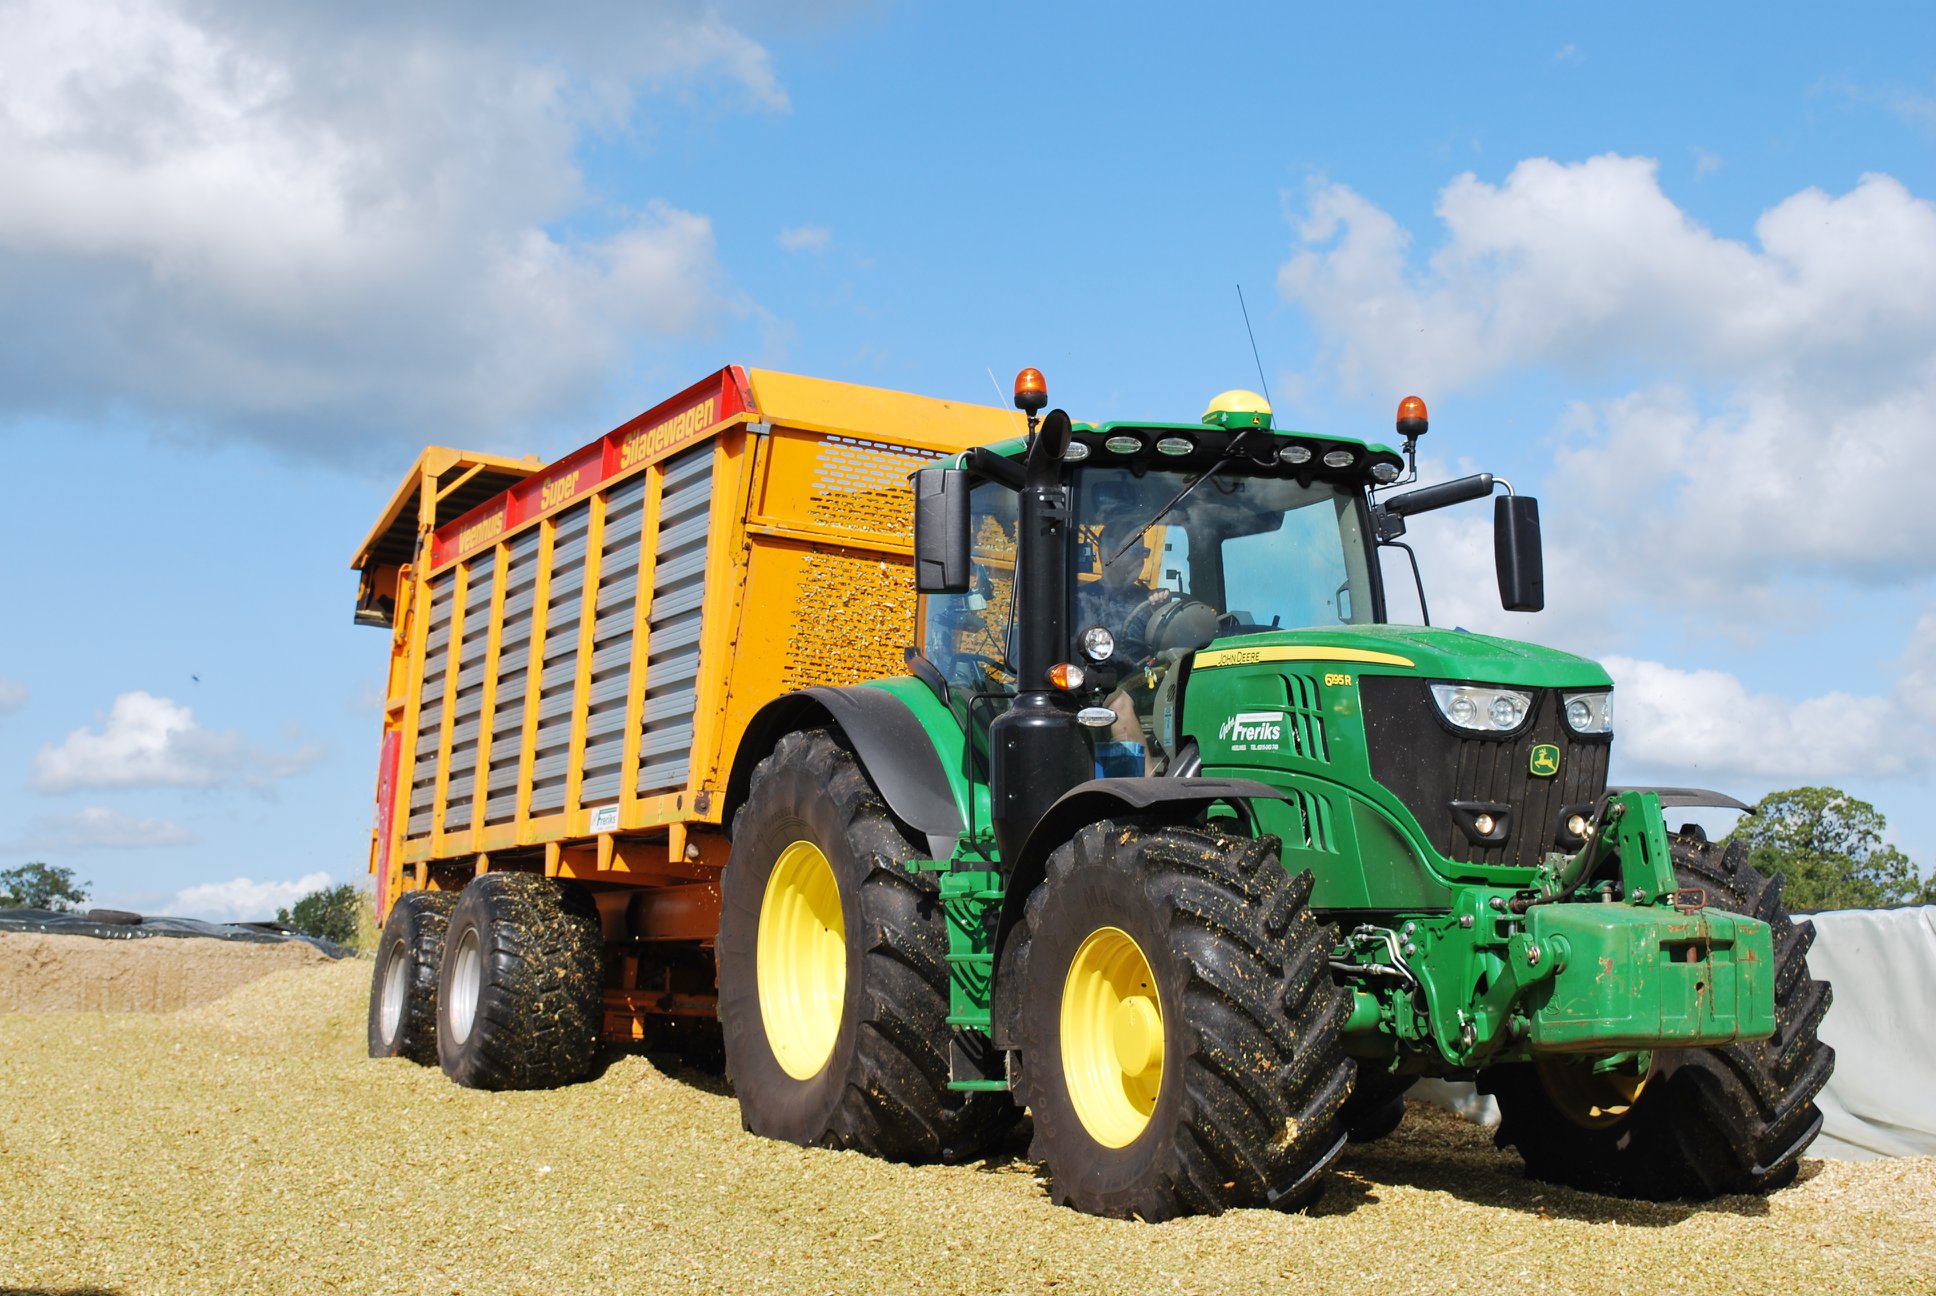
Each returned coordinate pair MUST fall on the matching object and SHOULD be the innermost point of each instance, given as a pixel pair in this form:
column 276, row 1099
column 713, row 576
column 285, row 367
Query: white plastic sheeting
column 1881, row 967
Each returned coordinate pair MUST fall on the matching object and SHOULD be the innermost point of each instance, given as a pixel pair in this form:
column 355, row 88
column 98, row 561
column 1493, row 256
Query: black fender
column 1158, row 800
column 1673, row 797
column 893, row 748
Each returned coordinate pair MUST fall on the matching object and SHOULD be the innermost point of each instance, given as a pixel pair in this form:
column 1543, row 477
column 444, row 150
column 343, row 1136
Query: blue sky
column 1672, row 270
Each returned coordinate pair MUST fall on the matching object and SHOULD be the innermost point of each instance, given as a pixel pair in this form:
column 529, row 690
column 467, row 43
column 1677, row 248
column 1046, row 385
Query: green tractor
column 1170, row 839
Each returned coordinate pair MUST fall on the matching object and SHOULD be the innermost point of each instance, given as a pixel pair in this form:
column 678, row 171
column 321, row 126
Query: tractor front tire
column 1179, row 1030
column 1708, row 1121
column 833, row 973
column 519, row 987
column 403, row 991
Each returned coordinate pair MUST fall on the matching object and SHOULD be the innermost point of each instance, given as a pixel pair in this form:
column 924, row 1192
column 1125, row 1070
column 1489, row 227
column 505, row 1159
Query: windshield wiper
column 1229, row 453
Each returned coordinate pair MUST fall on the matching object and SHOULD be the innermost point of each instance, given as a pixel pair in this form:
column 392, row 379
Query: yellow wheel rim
column 1112, row 1037
column 1591, row 1099
column 802, row 960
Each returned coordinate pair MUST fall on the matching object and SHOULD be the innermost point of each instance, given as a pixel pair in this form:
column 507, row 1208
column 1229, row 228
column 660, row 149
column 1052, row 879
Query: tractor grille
column 1429, row 766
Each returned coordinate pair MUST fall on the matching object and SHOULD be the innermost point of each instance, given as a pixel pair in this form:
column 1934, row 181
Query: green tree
column 329, row 913
column 37, row 886
column 1829, row 846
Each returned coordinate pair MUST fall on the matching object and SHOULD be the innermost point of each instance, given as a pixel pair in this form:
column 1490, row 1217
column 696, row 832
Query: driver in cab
column 1125, row 603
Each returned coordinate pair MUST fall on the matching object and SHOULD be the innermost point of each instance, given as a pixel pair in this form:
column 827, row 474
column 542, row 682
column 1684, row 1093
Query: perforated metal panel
column 863, row 486
column 678, row 595
column 853, row 618
column 618, row 588
column 430, row 714
column 513, row 672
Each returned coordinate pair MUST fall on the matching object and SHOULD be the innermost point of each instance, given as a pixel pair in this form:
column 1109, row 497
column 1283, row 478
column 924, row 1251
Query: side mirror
column 1516, row 553
column 941, row 530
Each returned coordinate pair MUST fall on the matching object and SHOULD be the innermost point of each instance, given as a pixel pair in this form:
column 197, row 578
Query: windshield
column 1239, row 554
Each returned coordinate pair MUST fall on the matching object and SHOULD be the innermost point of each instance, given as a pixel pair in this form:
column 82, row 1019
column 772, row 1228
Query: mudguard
column 893, row 746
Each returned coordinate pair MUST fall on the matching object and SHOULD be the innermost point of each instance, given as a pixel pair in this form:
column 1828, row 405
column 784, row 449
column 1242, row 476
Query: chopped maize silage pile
column 249, row 1145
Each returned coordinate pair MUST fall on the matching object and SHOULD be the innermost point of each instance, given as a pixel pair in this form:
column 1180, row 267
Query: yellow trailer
column 577, row 648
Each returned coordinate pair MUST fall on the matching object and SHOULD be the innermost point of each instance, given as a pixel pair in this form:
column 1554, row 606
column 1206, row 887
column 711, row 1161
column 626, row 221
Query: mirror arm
column 1000, row 469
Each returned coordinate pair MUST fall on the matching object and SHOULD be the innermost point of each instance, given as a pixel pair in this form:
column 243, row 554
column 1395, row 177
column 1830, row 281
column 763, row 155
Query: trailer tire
column 403, row 990
column 519, row 986
column 1710, row 1121
column 1221, row 1086
column 1376, row 1106
column 840, row 1038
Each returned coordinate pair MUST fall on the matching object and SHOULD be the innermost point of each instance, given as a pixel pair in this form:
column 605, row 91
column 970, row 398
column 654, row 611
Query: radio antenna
column 1253, row 344
column 998, row 399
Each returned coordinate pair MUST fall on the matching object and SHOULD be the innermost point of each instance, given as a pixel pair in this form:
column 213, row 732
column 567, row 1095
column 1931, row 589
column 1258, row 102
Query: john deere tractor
column 1171, row 839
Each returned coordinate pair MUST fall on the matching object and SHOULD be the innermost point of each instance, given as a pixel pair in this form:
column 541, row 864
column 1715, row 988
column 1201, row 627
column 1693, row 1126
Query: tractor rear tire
column 1178, row 1027
column 1709, row 1121
column 403, row 991
column 519, row 987
column 833, row 972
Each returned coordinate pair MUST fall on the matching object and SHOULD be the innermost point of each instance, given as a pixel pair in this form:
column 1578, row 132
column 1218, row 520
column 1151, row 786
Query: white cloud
column 147, row 741
column 98, row 827
column 1590, row 267
column 1708, row 722
column 806, row 238
column 13, row 695
column 285, row 221
column 1762, row 446
column 241, row 899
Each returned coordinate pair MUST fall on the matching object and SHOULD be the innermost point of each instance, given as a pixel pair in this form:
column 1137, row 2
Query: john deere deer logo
column 1546, row 760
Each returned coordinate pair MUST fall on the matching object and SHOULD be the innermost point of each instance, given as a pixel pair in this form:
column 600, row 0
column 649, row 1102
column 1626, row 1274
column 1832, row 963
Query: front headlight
column 1483, row 710
column 1588, row 713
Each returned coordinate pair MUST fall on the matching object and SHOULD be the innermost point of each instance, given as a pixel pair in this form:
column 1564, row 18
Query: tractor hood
column 1426, row 651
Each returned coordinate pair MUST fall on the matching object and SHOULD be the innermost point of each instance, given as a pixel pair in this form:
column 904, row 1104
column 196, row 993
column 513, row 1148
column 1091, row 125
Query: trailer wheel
column 1703, row 1121
column 1179, row 1029
column 1376, row 1106
column 833, row 974
column 403, row 991
column 519, row 985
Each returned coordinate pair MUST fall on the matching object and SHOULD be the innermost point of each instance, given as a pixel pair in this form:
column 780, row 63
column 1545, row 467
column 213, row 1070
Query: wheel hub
column 1138, row 1035
column 802, row 960
column 1112, row 1037
column 466, row 980
column 395, row 990
column 1593, row 1099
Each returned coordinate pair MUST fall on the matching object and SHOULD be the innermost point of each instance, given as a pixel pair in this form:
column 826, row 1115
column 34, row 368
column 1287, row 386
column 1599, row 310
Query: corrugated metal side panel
column 513, row 670
column 618, row 590
column 467, row 709
column 430, row 705
column 678, row 594
column 560, row 660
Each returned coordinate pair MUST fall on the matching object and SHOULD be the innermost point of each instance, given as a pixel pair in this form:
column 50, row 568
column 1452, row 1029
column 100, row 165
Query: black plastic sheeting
column 115, row 925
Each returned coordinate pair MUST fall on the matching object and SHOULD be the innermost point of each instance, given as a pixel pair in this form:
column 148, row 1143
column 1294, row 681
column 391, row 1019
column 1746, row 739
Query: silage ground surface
column 249, row 1145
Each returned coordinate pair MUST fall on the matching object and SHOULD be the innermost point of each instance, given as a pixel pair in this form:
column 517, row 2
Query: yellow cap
column 1235, row 401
